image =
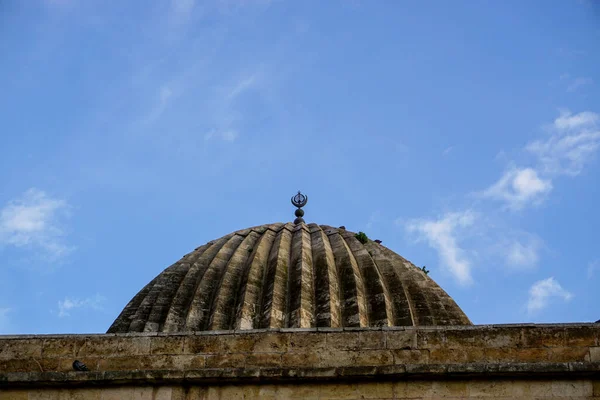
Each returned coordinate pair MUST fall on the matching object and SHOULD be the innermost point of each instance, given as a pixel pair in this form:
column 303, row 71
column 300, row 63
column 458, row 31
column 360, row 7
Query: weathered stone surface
column 288, row 276
column 440, row 353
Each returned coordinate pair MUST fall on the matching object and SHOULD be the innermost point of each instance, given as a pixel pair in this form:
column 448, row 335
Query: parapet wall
column 307, row 357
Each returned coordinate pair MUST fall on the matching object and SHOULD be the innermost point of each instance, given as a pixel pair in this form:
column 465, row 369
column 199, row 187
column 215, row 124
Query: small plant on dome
column 424, row 269
column 362, row 237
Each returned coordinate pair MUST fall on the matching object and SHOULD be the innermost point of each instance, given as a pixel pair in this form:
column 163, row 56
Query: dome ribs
column 401, row 315
column 138, row 322
column 159, row 311
column 288, row 276
column 375, row 293
column 273, row 298
column 178, row 311
column 225, row 298
column 354, row 307
column 199, row 313
column 300, row 294
column 415, row 281
column 123, row 321
column 250, row 289
column 326, row 283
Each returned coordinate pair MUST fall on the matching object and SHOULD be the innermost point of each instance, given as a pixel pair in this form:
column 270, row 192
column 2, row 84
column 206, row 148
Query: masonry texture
column 288, row 276
column 499, row 361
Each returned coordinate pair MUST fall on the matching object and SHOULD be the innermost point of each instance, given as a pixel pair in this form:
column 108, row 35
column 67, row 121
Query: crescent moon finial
column 299, row 200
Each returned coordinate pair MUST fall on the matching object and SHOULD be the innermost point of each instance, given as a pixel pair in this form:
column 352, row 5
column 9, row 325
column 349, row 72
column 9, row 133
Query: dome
column 289, row 276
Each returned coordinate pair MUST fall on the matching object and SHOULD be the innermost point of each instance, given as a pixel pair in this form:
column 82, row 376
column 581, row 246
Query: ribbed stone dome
column 288, row 276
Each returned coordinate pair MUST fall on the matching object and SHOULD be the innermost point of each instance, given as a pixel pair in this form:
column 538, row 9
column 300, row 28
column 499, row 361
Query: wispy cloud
column 447, row 150
column 573, row 143
column 441, row 234
column 567, row 121
column 579, row 82
column 33, row 221
column 181, row 10
column 542, row 292
column 227, row 136
column 574, row 83
column 522, row 254
column 240, row 87
column 519, row 188
column 69, row 304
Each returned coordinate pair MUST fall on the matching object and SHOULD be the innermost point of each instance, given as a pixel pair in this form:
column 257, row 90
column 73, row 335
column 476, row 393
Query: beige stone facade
column 501, row 361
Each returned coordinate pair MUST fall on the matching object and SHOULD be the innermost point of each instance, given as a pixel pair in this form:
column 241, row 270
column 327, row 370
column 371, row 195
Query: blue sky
column 464, row 135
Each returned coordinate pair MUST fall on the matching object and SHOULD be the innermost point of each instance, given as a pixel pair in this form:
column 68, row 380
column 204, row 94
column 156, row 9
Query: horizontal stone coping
column 205, row 376
column 298, row 330
column 430, row 352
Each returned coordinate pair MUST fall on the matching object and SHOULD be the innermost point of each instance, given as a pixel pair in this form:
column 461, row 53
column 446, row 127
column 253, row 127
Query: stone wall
column 418, row 362
column 497, row 389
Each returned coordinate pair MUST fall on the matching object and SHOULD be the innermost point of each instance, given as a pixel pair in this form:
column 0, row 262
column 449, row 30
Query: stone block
column 595, row 354
column 371, row 340
column 342, row 391
column 343, row 341
column 375, row 390
column 270, row 342
column 544, row 337
column 143, row 393
column 81, row 394
column 410, row 356
column 98, row 346
column 567, row 354
column 263, row 360
column 134, row 345
column 578, row 388
column 579, row 336
column 203, row 344
column 225, row 392
column 372, row 358
column 14, row 394
column 117, row 393
column 48, row 394
column 167, row 345
column 306, row 359
column 20, row 349
column 497, row 389
column 188, row 361
column 62, row 347
column 163, row 393
column 225, row 361
column 295, row 392
column 302, row 342
column 404, row 339
column 124, row 363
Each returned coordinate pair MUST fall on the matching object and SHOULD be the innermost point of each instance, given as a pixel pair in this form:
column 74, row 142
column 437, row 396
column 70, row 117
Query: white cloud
column 522, row 255
column 518, row 188
column 572, row 145
column 441, row 234
column 579, row 82
column 227, row 135
column 33, row 221
column 447, row 150
column 241, row 87
column 181, row 10
column 568, row 121
column 541, row 293
column 68, row 304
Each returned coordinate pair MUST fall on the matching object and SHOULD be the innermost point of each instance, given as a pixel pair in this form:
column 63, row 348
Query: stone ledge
column 277, row 375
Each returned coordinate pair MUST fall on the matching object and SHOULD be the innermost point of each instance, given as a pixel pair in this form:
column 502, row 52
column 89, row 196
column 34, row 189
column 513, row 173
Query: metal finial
column 299, row 201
